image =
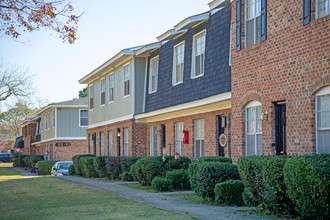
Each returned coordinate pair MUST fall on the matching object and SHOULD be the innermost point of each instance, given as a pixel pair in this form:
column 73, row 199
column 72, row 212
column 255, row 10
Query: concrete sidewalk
column 164, row 202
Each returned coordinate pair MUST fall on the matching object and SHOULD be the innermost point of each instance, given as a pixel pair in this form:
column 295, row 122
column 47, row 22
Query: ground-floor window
column 179, row 137
column 110, row 142
column 253, row 129
column 153, row 138
column 199, row 138
column 90, row 144
column 126, row 142
column 323, row 121
column 102, row 143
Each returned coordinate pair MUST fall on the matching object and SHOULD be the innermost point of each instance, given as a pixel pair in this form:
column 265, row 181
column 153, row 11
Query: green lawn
column 138, row 186
column 53, row 198
column 194, row 198
column 6, row 173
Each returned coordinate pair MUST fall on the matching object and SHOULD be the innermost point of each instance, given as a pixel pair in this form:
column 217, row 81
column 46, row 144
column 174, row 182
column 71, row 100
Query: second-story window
column 126, row 80
column 253, row 22
column 111, row 87
column 198, row 58
column 178, row 63
column 54, row 119
column 322, row 8
column 83, row 118
column 153, row 74
column 91, row 97
column 103, row 91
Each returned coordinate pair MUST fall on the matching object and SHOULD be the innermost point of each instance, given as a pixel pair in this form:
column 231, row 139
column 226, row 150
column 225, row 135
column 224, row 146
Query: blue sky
column 106, row 27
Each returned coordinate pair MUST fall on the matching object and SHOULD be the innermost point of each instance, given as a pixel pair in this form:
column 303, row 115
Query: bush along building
column 60, row 130
column 188, row 88
column 280, row 77
column 116, row 94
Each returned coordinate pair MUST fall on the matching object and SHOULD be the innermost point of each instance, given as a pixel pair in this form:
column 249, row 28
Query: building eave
column 144, row 51
column 170, row 34
column 191, row 21
column 219, row 4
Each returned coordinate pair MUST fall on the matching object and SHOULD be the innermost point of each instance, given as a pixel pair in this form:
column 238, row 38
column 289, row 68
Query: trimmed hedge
column 113, row 167
column 219, row 159
column 146, row 169
column 308, row 184
column 208, row 174
column 99, row 166
column 229, row 192
column 126, row 176
column 192, row 172
column 263, row 179
column 87, row 167
column 161, row 184
column 179, row 179
column 72, row 170
column 76, row 159
column 18, row 160
column 181, row 163
column 34, row 159
column 45, row 166
column 127, row 162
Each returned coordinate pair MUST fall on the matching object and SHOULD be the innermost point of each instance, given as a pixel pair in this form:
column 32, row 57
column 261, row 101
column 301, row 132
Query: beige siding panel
column 50, row 132
column 140, row 67
column 68, row 123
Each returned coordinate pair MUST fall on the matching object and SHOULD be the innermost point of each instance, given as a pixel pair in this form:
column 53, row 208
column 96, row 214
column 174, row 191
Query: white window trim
column 127, row 64
column 102, row 144
column 54, row 118
column 151, row 140
column 254, row 31
column 195, row 139
column 150, row 75
column 251, row 104
column 175, row 137
column 317, row 16
column 193, row 71
column 126, row 142
column 174, row 64
column 89, row 97
column 324, row 91
column 110, row 143
column 105, row 89
column 111, row 74
column 80, row 118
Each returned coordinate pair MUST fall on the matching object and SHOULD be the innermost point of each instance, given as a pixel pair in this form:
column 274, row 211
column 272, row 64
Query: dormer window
column 198, row 58
column 178, row 63
column 126, row 80
column 153, row 74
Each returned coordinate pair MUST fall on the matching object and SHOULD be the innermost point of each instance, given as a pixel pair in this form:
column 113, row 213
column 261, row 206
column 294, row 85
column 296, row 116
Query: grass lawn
column 194, row 198
column 138, row 186
column 6, row 164
column 6, row 173
column 53, row 198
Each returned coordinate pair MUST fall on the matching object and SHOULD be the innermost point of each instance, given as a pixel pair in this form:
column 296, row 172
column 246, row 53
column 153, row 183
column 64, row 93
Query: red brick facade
column 210, row 134
column 54, row 152
column 29, row 136
column 136, row 138
column 291, row 65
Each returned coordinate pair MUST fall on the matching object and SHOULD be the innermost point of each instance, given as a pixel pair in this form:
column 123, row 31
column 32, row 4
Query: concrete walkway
column 162, row 201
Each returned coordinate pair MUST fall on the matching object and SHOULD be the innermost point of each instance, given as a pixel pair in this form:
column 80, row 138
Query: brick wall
column 136, row 138
column 210, row 134
column 291, row 65
column 29, row 136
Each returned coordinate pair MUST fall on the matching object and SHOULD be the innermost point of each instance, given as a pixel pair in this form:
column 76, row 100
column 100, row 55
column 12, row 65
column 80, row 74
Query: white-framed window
column 179, row 137
column 91, row 97
column 126, row 146
column 102, row 143
column 199, row 138
column 252, row 22
column 323, row 121
column 103, row 91
column 110, row 142
column 48, row 120
column 127, row 76
column 153, row 74
column 253, row 129
column 41, row 124
column 198, row 57
column 322, row 8
column 83, row 118
column 54, row 118
column 91, row 151
column 178, row 63
column 111, row 87
column 46, row 117
column 153, row 138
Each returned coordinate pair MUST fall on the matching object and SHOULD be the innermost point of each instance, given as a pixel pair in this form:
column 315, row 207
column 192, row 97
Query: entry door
column 163, row 145
column 118, row 142
column 280, row 128
column 94, row 143
column 221, row 124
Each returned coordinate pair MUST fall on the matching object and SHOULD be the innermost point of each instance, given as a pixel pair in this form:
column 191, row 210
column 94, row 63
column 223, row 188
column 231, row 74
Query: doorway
column 280, row 128
column 221, row 125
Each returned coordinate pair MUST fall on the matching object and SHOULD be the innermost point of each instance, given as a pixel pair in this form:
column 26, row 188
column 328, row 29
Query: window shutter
column 263, row 20
column 306, row 11
column 238, row 24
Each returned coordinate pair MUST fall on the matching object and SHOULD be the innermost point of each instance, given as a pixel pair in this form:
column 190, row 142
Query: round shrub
column 161, row 184
column 34, row 159
column 308, row 184
column 181, row 163
column 127, row 162
column 99, row 166
column 72, row 171
column 192, row 172
column 211, row 173
column 179, row 179
column 87, row 167
column 229, row 192
column 147, row 168
column 219, row 159
column 76, row 159
column 126, row 176
column 113, row 167
column 45, row 166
